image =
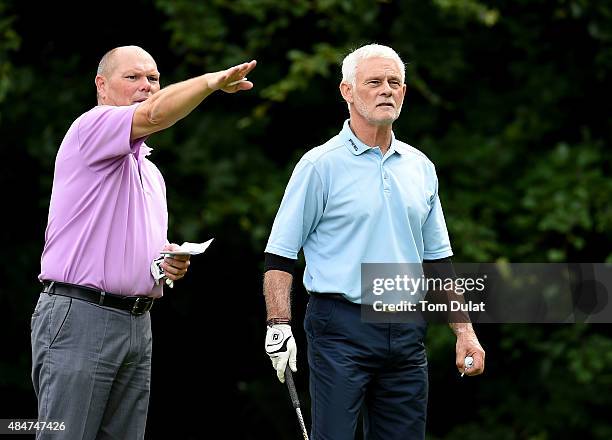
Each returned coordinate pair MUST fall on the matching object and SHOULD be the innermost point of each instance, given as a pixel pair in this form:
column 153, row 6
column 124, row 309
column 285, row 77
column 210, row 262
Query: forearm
column 459, row 321
column 277, row 291
column 442, row 269
column 461, row 328
column 169, row 105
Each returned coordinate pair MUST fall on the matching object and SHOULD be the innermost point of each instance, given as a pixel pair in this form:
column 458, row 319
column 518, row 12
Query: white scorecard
column 188, row 248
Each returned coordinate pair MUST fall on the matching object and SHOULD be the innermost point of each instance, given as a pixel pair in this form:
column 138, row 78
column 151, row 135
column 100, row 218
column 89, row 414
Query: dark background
column 510, row 99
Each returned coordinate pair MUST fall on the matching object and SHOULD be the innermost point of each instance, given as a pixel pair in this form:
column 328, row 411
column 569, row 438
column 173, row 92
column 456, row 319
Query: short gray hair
column 352, row 60
column 106, row 63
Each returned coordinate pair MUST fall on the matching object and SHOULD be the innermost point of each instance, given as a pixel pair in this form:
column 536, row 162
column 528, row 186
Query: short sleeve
column 299, row 212
column 104, row 136
column 435, row 235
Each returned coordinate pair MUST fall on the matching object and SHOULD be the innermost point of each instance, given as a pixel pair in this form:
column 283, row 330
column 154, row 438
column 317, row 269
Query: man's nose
column 145, row 84
column 386, row 89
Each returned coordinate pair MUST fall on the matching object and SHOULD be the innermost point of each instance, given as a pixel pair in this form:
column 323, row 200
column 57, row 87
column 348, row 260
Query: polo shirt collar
column 357, row 147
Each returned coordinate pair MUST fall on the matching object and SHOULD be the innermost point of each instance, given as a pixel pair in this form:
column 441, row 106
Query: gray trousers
column 91, row 369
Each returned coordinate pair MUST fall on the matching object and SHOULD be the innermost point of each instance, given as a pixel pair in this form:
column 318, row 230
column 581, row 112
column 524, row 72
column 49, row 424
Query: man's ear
column 347, row 92
column 100, row 86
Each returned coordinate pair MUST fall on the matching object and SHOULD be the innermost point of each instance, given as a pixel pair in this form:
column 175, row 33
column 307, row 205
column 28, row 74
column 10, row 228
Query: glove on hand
column 280, row 346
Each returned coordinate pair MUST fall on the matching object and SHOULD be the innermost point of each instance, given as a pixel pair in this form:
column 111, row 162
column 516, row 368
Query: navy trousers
column 380, row 369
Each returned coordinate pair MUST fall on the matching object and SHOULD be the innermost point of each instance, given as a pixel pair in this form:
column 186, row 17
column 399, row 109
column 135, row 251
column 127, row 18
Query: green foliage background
column 508, row 98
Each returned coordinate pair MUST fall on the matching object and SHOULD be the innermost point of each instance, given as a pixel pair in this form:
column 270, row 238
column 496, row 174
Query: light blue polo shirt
column 346, row 204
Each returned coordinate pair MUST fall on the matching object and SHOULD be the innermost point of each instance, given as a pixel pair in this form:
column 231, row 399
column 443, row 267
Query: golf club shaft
column 302, row 424
column 295, row 400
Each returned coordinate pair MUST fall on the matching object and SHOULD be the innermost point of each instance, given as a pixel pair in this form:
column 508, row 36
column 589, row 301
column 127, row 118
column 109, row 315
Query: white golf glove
column 280, row 346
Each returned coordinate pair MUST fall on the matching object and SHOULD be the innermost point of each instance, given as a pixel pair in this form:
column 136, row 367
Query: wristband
column 272, row 321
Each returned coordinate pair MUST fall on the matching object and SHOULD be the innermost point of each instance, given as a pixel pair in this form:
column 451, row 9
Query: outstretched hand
column 233, row 79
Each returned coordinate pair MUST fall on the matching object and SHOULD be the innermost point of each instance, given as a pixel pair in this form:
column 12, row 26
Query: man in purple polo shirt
column 91, row 330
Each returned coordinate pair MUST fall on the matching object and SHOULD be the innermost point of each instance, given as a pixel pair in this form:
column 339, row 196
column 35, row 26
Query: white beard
column 362, row 109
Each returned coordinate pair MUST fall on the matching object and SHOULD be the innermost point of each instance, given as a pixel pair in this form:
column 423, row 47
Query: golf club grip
column 291, row 386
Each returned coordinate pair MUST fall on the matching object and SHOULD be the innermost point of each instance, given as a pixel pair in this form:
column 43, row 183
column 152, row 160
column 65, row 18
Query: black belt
column 136, row 305
column 333, row 296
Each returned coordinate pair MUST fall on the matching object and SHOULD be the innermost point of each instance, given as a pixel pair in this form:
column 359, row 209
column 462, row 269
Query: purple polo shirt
column 108, row 217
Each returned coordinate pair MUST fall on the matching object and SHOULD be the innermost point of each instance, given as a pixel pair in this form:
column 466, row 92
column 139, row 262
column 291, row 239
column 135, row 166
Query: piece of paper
column 188, row 248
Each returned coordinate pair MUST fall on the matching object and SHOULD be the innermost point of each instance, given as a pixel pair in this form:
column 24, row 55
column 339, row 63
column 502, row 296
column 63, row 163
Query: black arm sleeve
column 440, row 268
column 276, row 262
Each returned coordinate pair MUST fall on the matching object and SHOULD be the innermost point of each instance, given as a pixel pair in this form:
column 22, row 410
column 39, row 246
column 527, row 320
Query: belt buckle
column 148, row 303
column 48, row 287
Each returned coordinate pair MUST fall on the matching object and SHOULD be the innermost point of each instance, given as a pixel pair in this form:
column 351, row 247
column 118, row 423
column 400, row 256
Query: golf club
column 295, row 400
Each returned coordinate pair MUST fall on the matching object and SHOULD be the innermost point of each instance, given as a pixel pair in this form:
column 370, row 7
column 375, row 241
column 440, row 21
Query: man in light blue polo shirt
column 362, row 197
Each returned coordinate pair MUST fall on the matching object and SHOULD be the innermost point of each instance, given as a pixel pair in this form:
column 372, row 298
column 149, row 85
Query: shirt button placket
column 385, row 176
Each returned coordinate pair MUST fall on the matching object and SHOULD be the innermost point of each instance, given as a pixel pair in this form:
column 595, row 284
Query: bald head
column 109, row 60
column 126, row 75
